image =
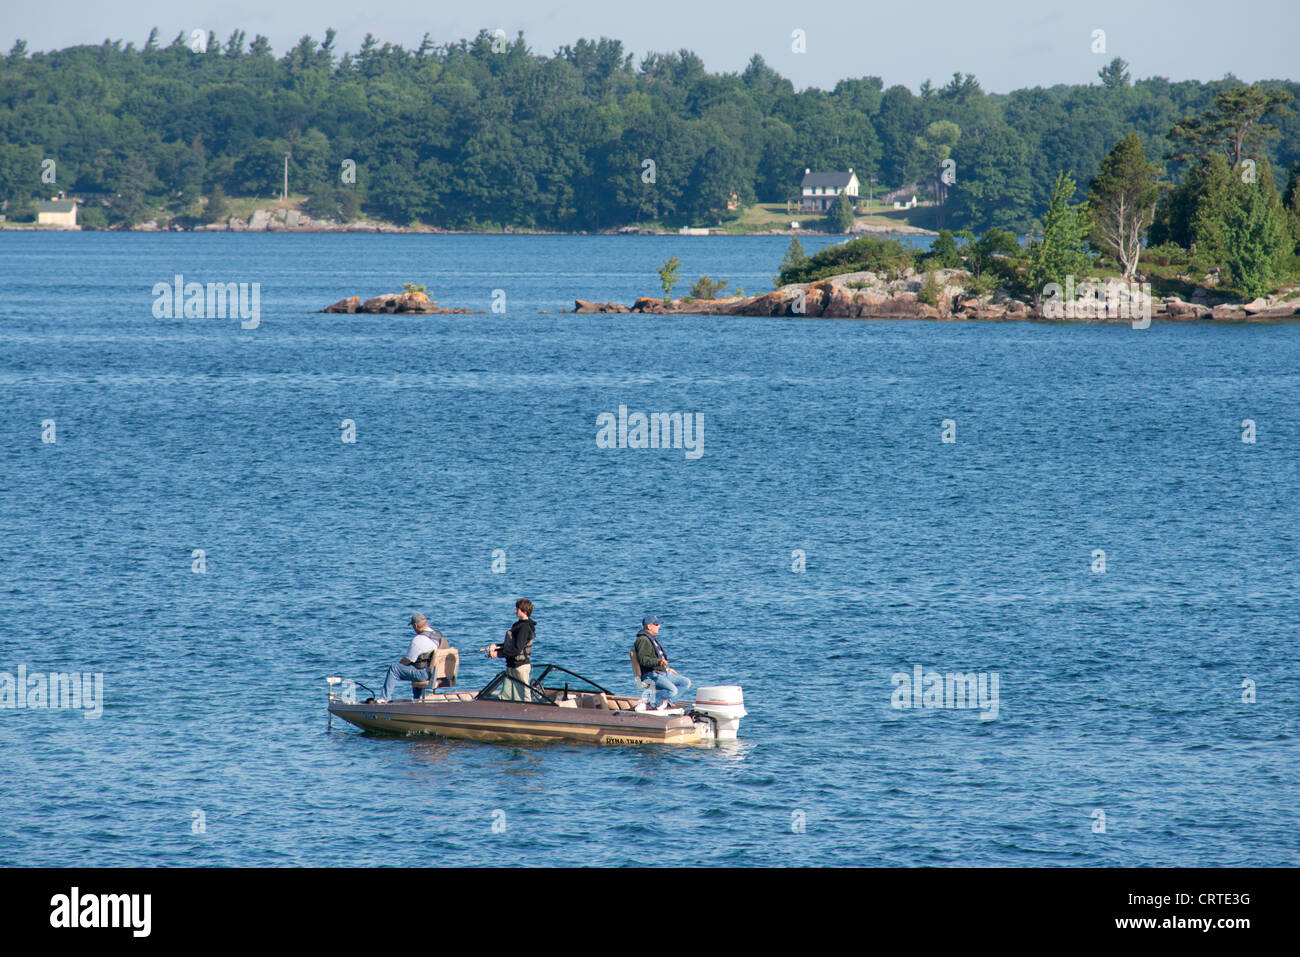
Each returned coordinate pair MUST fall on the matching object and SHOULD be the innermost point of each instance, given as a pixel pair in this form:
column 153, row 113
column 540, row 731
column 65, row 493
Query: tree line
column 484, row 133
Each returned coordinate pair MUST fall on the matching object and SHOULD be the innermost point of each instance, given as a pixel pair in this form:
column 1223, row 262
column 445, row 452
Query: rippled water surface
column 1120, row 692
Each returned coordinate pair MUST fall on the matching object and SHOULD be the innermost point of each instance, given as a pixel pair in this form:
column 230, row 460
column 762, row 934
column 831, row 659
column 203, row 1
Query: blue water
column 1120, row 692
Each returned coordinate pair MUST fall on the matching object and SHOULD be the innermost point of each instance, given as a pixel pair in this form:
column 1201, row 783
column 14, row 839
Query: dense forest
column 485, row 132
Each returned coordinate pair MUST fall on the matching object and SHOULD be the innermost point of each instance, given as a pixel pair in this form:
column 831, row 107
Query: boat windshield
column 505, row 688
column 554, row 678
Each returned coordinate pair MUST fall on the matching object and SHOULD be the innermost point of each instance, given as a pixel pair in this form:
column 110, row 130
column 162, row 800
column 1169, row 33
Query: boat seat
column 636, row 670
column 446, row 662
column 606, row 702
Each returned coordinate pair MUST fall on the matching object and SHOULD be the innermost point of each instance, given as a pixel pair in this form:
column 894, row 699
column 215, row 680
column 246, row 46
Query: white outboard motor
column 725, row 704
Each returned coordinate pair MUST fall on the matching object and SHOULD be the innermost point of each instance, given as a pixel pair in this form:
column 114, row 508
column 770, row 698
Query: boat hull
column 510, row 722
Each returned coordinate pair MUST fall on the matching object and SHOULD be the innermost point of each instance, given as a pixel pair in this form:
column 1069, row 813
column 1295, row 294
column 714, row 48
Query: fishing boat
column 558, row 705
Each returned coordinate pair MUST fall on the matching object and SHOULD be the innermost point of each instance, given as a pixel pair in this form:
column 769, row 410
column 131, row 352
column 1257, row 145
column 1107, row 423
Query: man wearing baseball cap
column 669, row 684
column 426, row 641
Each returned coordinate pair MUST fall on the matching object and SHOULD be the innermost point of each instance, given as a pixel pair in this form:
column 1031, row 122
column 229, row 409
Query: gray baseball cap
column 418, row 616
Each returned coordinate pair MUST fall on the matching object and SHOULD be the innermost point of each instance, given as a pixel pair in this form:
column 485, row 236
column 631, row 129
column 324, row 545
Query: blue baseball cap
column 650, row 620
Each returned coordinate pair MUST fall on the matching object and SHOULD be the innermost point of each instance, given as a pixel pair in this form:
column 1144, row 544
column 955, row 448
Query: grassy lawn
column 763, row 217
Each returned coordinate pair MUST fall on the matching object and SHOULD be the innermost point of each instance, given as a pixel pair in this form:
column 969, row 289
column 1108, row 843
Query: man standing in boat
column 669, row 684
column 426, row 641
column 517, row 651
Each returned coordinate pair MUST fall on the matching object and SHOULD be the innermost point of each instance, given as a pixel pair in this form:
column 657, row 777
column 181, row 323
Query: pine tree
column 1291, row 205
column 1235, row 126
column 793, row 263
column 1060, row 253
column 1255, row 234
column 1114, row 74
column 1215, row 196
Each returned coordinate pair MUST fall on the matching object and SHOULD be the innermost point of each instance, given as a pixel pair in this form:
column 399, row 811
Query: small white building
column 818, row 190
column 57, row 212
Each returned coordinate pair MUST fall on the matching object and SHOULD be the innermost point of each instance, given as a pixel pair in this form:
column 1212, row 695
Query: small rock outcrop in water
column 406, row 303
column 869, row 295
column 581, row 305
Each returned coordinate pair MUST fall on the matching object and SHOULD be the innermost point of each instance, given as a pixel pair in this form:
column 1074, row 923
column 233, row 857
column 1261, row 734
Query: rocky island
column 405, row 303
column 945, row 294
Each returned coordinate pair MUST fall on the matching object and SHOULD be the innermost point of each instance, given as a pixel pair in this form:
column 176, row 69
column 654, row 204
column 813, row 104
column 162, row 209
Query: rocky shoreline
column 869, row 295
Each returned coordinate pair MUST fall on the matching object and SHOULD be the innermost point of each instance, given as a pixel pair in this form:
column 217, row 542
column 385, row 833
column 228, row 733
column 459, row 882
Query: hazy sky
column 1006, row 43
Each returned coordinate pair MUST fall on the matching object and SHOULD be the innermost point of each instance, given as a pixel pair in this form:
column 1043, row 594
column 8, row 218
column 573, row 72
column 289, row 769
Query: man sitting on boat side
column 426, row 641
column 517, row 651
column 669, row 684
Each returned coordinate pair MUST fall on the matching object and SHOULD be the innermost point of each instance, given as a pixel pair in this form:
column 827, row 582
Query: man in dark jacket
column 668, row 683
column 517, row 651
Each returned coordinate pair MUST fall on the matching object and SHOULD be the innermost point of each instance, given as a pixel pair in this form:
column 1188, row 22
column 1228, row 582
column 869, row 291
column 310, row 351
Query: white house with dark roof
column 57, row 212
column 818, row 190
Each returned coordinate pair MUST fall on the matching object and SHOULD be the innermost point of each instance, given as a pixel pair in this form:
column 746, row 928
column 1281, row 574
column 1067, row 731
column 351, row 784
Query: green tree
column 349, row 205
column 839, row 218
column 707, row 288
column 1236, row 125
column 897, row 124
column 668, row 273
column 1215, row 195
column 944, row 252
column 1122, row 201
column 218, row 209
column 323, row 203
column 1060, row 253
column 935, row 147
column 792, row 263
column 1257, row 238
column 136, row 182
column 1291, row 205
column 929, row 291
column 866, row 254
column 991, row 254
column 994, row 183
column 1114, row 74
column 1191, row 214
column 1255, row 235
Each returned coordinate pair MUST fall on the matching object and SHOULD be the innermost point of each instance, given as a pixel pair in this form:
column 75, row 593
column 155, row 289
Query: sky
column 1006, row 44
